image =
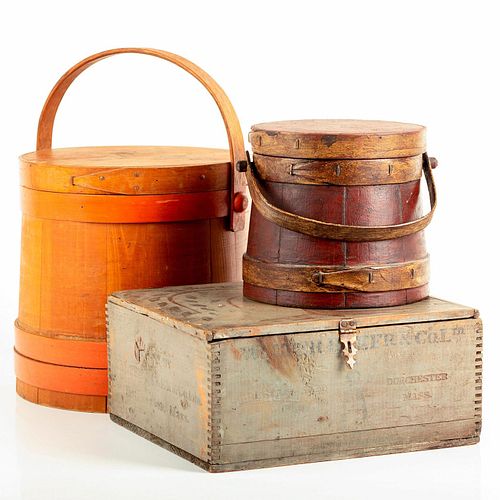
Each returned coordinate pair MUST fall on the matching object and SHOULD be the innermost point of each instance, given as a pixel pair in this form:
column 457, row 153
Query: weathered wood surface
column 277, row 390
column 299, row 459
column 160, row 442
column 413, row 383
column 160, row 383
column 219, row 311
column 338, row 139
column 340, row 193
column 318, row 227
column 336, row 279
column 338, row 172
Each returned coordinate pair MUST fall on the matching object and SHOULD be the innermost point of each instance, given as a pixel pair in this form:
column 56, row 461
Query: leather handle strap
column 332, row 231
column 231, row 122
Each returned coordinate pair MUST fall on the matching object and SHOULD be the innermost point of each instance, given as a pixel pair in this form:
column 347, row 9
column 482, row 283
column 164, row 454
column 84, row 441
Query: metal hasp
column 347, row 336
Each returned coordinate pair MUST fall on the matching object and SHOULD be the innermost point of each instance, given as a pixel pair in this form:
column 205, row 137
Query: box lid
column 338, row 139
column 219, row 311
column 129, row 170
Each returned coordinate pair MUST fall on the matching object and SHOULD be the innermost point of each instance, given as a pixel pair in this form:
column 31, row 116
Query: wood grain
column 56, row 301
column 101, row 219
column 350, row 211
column 276, row 385
column 236, row 144
column 339, row 172
column 338, row 139
column 62, row 400
column 60, row 378
column 124, row 209
column 334, row 231
column 219, row 311
column 61, row 350
column 182, row 397
column 336, row 279
column 132, row 170
column 300, row 375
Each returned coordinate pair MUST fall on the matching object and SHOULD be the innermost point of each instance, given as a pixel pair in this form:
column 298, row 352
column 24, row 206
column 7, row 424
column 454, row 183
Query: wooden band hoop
column 336, row 279
column 332, row 231
column 117, row 209
column 345, row 172
column 61, row 378
column 231, row 122
column 61, row 350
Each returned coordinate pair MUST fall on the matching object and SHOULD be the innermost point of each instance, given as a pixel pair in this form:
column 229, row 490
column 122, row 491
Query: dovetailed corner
column 215, row 390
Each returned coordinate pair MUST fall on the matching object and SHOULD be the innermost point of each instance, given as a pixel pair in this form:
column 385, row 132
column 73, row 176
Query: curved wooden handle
column 231, row 122
column 332, row 231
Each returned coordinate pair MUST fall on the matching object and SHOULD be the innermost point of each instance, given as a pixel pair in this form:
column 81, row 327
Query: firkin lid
column 338, row 139
column 134, row 170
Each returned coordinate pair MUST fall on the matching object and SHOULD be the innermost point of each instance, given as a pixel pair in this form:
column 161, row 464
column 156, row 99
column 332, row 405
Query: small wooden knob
column 240, row 203
column 434, row 162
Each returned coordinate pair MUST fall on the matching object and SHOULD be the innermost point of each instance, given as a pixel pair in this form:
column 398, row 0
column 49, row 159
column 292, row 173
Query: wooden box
column 234, row 384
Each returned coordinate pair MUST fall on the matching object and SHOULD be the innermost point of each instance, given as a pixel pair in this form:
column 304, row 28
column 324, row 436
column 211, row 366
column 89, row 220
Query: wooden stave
column 234, row 185
column 223, row 264
column 271, row 243
column 61, row 400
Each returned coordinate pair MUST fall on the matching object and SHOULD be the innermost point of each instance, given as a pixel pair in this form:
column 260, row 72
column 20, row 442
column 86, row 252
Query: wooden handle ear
column 231, row 122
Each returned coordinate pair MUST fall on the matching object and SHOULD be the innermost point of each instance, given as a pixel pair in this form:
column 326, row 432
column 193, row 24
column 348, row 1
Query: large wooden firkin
column 101, row 219
column 336, row 217
column 231, row 384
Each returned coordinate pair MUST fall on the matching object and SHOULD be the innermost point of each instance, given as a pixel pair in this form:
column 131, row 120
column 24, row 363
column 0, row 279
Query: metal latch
column 347, row 335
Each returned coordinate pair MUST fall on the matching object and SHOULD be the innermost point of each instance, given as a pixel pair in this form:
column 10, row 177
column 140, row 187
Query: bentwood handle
column 231, row 122
column 343, row 232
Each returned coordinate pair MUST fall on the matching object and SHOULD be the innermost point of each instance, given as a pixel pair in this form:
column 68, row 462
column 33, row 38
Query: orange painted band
column 61, row 351
column 69, row 379
column 123, row 208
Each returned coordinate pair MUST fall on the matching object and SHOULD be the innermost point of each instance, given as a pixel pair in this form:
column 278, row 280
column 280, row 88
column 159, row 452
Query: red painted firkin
column 336, row 218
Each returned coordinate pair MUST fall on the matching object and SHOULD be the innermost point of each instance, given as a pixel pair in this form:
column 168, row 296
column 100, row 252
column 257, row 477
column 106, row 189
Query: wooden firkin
column 233, row 384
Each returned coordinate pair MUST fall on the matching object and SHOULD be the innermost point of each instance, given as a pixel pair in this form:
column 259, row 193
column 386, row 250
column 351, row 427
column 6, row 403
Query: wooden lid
column 219, row 310
column 126, row 170
column 338, row 139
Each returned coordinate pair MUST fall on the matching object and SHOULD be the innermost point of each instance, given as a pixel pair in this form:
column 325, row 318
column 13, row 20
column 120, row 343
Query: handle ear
column 231, row 122
column 332, row 231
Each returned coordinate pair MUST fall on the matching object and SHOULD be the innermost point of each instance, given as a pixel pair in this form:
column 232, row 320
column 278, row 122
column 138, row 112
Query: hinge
column 347, row 335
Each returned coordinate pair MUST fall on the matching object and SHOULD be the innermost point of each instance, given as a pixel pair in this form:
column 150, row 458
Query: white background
column 429, row 62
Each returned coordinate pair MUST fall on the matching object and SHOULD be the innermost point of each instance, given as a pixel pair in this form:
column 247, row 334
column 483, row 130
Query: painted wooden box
column 234, row 384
